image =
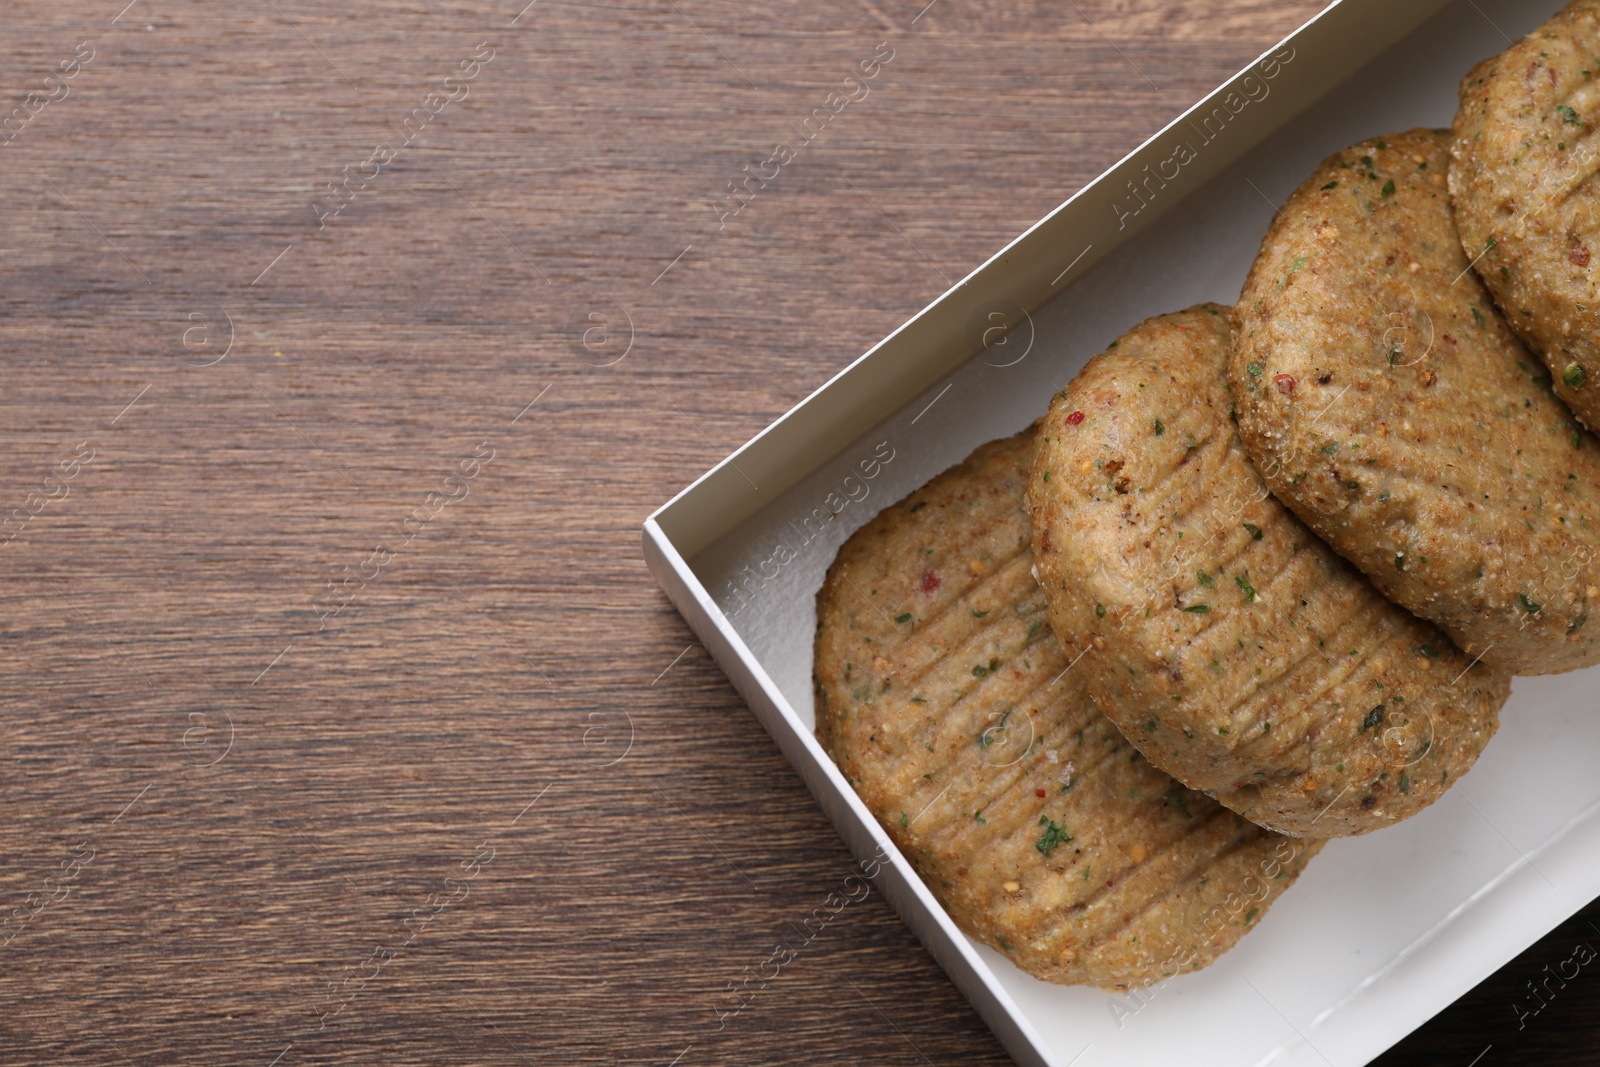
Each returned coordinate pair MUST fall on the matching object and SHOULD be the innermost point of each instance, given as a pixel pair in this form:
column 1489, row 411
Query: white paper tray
column 1382, row 931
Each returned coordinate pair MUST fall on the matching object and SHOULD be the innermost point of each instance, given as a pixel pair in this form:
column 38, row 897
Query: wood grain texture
column 247, row 807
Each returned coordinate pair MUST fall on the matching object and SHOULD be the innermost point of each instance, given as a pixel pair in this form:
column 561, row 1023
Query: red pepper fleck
column 1038, row 792
column 930, row 581
column 1075, row 418
column 1578, row 257
column 1389, row 262
column 1110, row 884
column 1449, row 340
column 1285, row 383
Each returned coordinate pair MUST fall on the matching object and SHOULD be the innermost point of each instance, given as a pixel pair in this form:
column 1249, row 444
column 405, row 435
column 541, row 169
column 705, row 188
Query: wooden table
column 345, row 349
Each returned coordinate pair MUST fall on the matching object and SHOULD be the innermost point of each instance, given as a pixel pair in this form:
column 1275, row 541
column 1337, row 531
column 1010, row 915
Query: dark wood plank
column 500, row 807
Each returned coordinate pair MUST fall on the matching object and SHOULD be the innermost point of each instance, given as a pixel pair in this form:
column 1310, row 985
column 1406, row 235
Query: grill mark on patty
column 1163, row 483
column 1140, row 909
column 1293, row 662
column 1371, row 634
column 933, row 635
column 1103, row 743
column 975, row 792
